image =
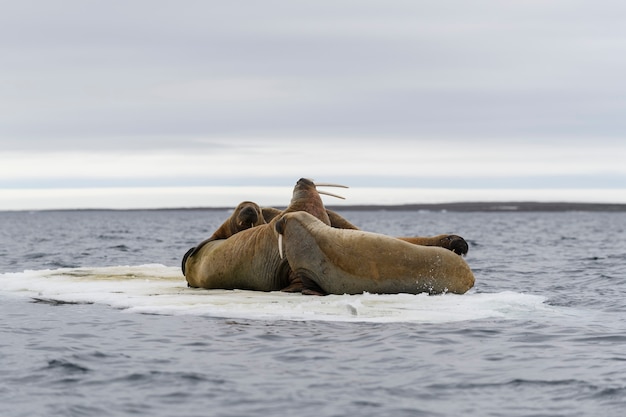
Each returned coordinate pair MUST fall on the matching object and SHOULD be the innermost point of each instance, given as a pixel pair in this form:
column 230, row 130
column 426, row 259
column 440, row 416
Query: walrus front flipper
column 302, row 283
column 269, row 213
column 338, row 221
column 309, row 286
column 295, row 284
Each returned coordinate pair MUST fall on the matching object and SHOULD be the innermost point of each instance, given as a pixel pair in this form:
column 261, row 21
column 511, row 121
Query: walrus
column 455, row 243
column 346, row 261
column 247, row 214
column 248, row 259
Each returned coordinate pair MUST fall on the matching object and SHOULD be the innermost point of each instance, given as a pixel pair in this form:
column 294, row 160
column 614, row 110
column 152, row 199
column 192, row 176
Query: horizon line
column 461, row 206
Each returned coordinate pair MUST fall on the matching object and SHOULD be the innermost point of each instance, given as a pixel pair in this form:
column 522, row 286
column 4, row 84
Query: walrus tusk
column 329, row 184
column 280, row 245
column 330, row 194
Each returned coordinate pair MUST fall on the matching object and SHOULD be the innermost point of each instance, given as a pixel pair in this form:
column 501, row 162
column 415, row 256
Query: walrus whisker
column 330, row 194
column 280, row 245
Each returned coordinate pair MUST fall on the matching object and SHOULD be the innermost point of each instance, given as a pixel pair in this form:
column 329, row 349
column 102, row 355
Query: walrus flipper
column 309, row 286
column 185, row 256
column 269, row 213
column 454, row 243
column 339, row 222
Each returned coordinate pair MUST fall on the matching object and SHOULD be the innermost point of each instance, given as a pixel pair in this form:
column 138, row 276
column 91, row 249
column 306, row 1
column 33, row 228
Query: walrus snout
column 305, row 181
column 247, row 218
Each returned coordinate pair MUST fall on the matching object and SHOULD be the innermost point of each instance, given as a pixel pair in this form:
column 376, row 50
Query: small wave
column 158, row 289
column 518, row 382
column 54, row 302
column 114, row 234
column 567, row 388
column 35, row 255
column 610, row 339
column 150, row 377
column 66, row 366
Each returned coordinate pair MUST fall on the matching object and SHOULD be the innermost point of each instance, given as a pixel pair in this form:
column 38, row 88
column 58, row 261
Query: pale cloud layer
column 486, row 94
column 228, row 197
column 412, row 163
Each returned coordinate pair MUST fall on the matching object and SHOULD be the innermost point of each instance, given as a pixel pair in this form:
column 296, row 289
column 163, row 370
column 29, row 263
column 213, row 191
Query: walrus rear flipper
column 454, row 243
column 189, row 252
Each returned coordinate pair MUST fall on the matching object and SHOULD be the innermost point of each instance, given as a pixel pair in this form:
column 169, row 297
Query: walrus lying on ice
column 343, row 261
column 250, row 262
column 248, row 259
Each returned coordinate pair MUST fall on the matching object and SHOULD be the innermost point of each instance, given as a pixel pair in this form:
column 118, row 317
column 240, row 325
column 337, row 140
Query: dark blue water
column 91, row 359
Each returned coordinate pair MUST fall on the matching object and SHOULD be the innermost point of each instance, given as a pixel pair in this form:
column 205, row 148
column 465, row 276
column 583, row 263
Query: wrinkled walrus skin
column 248, row 259
column 344, row 261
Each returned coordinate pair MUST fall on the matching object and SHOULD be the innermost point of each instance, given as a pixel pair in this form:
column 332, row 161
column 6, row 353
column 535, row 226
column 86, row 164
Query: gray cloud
column 107, row 75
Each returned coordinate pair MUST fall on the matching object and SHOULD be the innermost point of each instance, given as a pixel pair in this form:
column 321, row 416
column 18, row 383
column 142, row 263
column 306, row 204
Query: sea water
column 96, row 320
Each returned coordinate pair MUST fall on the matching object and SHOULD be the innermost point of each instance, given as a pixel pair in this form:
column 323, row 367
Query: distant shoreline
column 492, row 206
column 504, row 206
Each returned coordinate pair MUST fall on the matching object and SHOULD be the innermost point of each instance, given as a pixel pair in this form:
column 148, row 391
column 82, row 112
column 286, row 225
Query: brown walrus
column 248, row 259
column 343, row 261
column 246, row 215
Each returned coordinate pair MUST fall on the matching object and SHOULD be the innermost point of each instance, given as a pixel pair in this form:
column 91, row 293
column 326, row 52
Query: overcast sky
column 416, row 94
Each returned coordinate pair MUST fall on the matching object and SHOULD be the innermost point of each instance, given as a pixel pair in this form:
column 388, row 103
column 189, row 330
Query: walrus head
column 306, row 197
column 246, row 215
column 456, row 244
